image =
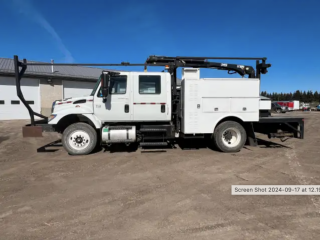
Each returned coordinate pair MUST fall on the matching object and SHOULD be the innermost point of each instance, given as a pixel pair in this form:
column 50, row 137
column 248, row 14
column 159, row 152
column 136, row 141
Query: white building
column 41, row 85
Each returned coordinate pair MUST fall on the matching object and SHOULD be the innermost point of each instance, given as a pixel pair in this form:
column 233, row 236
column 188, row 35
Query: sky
column 287, row 32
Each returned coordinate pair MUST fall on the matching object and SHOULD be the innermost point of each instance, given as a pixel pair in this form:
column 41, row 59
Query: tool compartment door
column 151, row 97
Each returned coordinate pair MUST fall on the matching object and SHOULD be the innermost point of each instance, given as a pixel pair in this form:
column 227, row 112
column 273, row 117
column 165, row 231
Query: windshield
column 95, row 87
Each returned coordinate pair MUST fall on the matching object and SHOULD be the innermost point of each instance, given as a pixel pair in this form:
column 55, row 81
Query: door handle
column 163, row 108
column 126, row 108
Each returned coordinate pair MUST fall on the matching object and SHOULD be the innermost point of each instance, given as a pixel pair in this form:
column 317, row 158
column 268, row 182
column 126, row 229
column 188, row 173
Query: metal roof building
column 65, row 72
column 41, row 85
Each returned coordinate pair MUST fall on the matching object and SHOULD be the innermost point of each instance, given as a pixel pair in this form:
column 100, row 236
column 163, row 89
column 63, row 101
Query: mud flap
column 251, row 137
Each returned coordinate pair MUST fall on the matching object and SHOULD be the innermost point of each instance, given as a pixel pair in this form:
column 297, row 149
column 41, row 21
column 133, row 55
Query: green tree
column 316, row 96
column 309, row 96
column 304, row 96
column 297, row 95
column 269, row 95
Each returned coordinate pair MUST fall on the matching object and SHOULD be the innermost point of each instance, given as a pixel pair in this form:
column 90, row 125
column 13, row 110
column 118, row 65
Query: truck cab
column 135, row 96
column 132, row 97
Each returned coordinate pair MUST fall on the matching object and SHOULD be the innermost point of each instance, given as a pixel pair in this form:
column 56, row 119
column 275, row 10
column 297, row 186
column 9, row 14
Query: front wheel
column 229, row 136
column 79, row 139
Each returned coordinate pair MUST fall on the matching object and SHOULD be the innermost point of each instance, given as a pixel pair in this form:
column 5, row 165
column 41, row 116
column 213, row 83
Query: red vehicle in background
column 290, row 105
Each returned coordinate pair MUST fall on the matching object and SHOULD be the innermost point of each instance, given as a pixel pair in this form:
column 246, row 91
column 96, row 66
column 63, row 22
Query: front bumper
column 36, row 130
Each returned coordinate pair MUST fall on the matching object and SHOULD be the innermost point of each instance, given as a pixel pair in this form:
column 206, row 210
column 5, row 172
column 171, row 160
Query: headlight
column 52, row 116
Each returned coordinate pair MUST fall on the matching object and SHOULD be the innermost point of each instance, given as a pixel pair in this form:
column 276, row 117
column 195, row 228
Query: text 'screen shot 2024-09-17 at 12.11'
column 275, row 190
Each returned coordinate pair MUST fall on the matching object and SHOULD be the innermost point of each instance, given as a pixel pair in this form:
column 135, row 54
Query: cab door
column 117, row 108
column 151, row 97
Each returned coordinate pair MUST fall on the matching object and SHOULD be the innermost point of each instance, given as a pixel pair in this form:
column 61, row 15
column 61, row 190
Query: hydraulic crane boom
column 202, row 62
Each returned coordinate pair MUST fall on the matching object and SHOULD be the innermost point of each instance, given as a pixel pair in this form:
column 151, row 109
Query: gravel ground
column 170, row 194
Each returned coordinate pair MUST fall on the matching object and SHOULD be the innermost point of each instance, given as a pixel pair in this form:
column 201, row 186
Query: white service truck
column 149, row 109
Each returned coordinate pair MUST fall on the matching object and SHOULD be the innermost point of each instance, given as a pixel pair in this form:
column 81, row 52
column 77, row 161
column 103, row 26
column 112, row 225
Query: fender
column 61, row 114
column 97, row 123
column 226, row 117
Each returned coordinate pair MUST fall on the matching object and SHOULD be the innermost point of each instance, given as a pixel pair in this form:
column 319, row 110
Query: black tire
column 220, row 140
column 278, row 110
column 87, row 134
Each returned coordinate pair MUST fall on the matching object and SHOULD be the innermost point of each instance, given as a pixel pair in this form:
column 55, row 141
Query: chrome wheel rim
column 79, row 140
column 231, row 137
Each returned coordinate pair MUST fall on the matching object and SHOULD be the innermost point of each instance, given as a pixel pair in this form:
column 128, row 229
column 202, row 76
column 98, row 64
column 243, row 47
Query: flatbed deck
column 273, row 124
column 278, row 119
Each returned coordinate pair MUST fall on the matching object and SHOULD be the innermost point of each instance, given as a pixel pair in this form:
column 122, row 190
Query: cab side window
column 118, row 85
column 149, row 84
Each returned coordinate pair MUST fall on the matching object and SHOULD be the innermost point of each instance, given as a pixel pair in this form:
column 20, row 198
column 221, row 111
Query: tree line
column 304, row 96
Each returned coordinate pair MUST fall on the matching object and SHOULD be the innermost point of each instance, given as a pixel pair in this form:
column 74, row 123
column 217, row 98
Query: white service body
column 206, row 101
column 265, row 104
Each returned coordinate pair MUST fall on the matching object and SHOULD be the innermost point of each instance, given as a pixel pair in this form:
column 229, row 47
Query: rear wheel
column 229, row 136
column 79, row 139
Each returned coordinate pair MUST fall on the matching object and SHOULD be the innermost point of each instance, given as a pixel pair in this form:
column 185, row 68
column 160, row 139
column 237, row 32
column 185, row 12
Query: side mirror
column 105, row 80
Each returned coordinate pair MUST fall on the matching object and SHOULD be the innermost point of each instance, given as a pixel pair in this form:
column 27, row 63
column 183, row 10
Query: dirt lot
column 172, row 194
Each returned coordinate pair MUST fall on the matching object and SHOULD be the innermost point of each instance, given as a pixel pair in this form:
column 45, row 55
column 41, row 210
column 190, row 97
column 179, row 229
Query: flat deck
column 280, row 119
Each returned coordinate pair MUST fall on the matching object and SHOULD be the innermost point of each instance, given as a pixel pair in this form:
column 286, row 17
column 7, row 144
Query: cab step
column 120, row 127
column 153, row 130
column 153, row 144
